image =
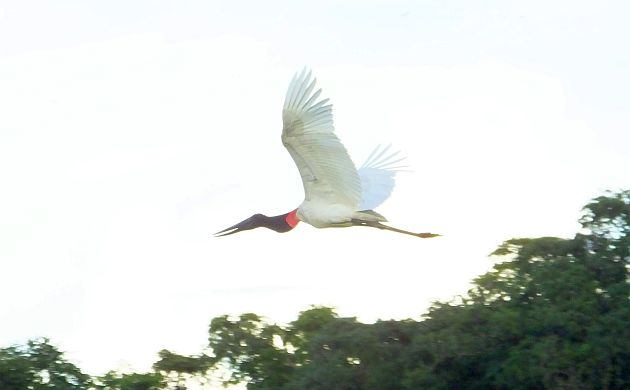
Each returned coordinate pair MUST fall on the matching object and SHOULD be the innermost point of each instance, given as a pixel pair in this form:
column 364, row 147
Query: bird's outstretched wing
column 328, row 173
column 377, row 177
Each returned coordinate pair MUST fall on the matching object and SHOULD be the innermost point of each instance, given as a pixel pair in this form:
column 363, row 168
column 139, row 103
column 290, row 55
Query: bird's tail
column 378, row 225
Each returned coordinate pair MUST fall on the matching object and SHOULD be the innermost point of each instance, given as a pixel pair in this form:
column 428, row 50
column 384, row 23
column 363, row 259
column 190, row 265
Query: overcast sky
column 130, row 131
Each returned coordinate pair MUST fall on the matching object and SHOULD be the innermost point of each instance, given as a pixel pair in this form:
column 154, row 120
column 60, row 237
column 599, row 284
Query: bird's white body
column 321, row 214
column 335, row 191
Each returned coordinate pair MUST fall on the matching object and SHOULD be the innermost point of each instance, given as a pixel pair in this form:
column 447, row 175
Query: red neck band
column 292, row 218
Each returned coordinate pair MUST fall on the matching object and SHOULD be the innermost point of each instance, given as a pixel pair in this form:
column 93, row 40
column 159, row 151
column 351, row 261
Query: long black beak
column 231, row 230
column 248, row 224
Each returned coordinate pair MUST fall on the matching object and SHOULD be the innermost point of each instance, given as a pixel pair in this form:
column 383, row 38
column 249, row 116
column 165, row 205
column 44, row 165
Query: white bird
column 336, row 194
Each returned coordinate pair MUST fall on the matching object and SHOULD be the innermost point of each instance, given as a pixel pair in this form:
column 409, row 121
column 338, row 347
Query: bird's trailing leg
column 378, row 225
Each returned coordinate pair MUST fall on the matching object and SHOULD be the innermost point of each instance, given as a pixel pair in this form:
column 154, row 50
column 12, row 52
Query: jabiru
column 336, row 193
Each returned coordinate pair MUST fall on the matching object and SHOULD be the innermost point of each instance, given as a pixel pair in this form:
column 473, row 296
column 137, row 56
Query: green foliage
column 180, row 369
column 553, row 313
column 16, row 372
column 248, row 345
column 347, row 354
column 172, row 362
column 308, row 325
column 116, row 381
column 39, row 366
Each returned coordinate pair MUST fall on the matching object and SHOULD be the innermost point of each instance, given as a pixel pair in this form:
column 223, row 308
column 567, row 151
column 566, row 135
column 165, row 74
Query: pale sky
column 130, row 131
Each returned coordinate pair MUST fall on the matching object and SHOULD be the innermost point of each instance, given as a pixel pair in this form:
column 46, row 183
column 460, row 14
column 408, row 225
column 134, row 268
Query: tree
column 252, row 349
column 134, row 381
column 263, row 354
column 346, row 354
column 38, row 365
column 553, row 313
column 181, row 369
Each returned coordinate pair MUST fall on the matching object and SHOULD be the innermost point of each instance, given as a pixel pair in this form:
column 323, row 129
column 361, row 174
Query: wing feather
column 377, row 177
column 328, row 174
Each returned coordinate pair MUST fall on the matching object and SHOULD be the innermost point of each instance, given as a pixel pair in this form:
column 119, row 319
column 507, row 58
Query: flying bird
column 336, row 193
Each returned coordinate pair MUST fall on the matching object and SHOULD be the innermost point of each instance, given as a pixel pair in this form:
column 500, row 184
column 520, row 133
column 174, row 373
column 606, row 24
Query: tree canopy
column 39, row 365
column 553, row 313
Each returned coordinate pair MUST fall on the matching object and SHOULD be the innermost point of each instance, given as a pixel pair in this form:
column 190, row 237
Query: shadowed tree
column 38, row 365
column 553, row 313
column 181, row 369
column 252, row 349
column 134, row 381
